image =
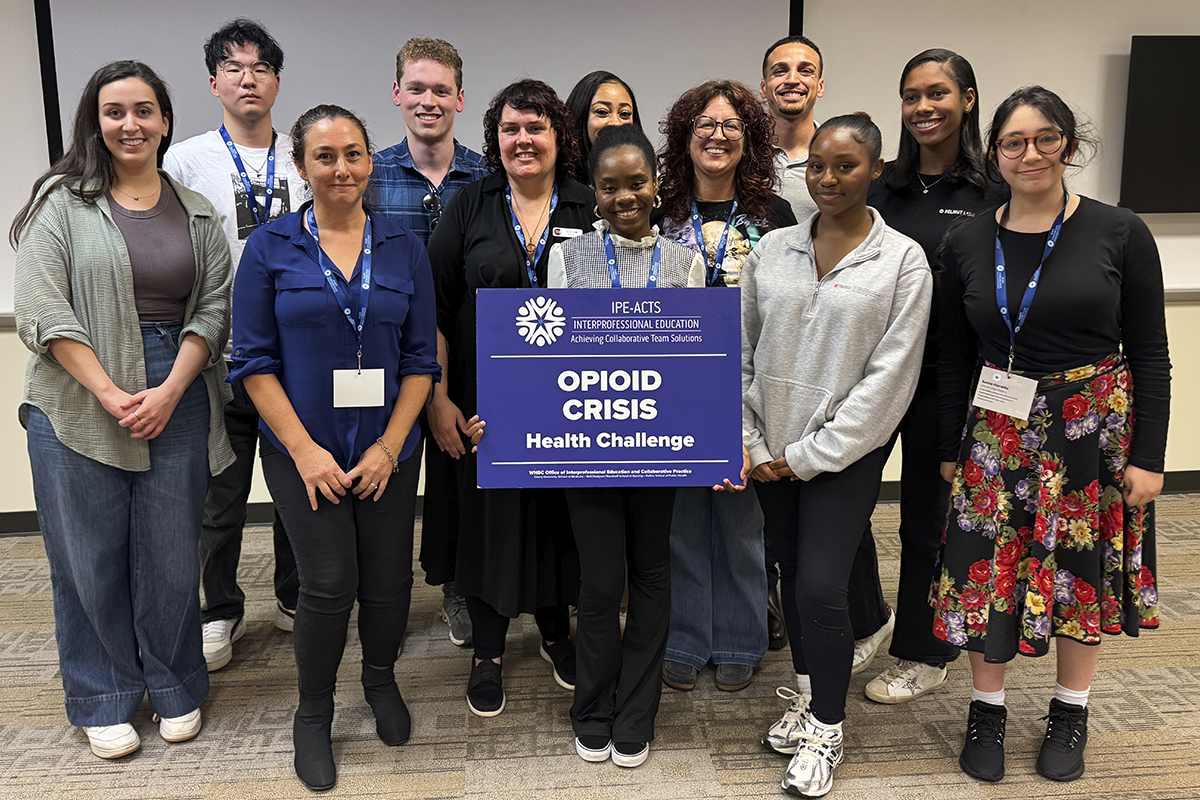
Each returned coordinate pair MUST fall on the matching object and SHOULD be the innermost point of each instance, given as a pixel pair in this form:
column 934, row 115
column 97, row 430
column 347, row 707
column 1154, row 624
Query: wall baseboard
column 24, row 523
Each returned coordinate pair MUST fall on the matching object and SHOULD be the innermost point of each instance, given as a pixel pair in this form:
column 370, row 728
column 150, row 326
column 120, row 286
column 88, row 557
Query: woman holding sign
column 834, row 313
column 336, row 345
column 515, row 552
column 617, row 686
column 1054, row 307
column 717, row 178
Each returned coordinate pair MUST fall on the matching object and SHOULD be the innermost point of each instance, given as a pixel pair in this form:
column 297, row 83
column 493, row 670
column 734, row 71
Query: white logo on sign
column 540, row 321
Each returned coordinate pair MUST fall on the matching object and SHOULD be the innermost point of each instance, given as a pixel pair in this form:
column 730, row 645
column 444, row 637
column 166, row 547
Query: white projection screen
column 345, row 53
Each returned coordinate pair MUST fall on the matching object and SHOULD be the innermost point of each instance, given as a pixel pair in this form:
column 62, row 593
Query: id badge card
column 355, row 389
column 1004, row 393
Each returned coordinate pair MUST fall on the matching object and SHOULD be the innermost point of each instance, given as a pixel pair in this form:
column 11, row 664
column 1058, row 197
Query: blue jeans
column 123, row 560
column 718, row 579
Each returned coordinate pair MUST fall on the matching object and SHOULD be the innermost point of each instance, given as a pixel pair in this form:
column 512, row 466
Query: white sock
column 992, row 698
column 819, row 728
column 804, row 685
column 1065, row 695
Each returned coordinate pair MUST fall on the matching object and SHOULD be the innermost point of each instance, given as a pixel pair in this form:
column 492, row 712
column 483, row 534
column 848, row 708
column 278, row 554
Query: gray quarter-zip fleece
column 829, row 366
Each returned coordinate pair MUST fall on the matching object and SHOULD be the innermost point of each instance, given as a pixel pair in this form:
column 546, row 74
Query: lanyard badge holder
column 713, row 271
column 615, row 276
column 269, row 189
column 352, row 388
column 999, row 390
column 531, row 265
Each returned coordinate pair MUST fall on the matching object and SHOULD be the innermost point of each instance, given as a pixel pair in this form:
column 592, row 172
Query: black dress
column 516, row 550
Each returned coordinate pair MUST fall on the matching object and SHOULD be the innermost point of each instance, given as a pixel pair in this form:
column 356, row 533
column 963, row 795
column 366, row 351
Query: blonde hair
column 437, row 50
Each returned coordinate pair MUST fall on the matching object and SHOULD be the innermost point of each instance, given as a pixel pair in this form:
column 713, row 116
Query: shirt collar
column 601, row 226
column 291, row 226
column 403, row 156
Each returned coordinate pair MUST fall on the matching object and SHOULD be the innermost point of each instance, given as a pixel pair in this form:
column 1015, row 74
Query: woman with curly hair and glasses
column 516, row 552
column 717, row 186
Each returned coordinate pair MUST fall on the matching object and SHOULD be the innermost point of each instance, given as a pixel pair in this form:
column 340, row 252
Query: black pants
column 357, row 549
column 818, row 527
column 924, row 503
column 618, row 684
column 225, row 520
column 489, row 628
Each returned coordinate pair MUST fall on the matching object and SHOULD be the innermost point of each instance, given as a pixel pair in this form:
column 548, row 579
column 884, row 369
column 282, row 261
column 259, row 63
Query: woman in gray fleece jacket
column 834, row 312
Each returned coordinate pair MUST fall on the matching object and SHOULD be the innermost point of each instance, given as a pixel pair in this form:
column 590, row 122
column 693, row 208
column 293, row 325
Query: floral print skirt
column 1039, row 542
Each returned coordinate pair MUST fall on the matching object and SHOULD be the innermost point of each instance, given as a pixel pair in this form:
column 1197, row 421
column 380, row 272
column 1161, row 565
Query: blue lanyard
column 1031, row 289
column 338, row 294
column 651, row 282
column 531, row 264
column 712, row 270
column 269, row 194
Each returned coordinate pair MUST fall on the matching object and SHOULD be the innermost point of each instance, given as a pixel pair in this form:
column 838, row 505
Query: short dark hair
column 528, row 94
column 804, row 40
column 86, row 168
column 312, row 117
column 579, row 103
column 859, row 126
column 611, row 137
column 241, row 32
column 1051, row 106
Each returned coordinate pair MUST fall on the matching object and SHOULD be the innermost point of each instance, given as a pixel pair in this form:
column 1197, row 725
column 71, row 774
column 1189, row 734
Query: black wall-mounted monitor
column 1160, row 172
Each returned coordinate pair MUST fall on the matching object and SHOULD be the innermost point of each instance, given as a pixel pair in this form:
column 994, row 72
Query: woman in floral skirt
column 1055, row 303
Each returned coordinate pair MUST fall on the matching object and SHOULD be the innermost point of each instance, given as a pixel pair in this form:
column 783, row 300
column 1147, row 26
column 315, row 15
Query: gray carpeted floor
column 1145, row 714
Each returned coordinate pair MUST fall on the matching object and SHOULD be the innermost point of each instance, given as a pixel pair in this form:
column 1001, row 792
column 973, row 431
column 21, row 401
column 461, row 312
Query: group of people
column 1025, row 507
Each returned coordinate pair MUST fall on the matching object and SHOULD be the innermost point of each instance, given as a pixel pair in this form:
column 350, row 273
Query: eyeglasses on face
column 706, row 127
column 1047, row 143
column 234, row 70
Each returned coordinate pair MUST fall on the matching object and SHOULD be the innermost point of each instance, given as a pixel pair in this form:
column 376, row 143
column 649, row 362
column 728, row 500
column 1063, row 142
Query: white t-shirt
column 203, row 164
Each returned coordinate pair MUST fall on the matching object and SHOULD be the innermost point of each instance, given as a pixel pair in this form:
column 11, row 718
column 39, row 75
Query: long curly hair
column 754, row 180
column 532, row 95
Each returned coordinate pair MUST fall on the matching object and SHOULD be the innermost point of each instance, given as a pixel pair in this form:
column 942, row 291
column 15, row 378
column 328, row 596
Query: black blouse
column 1100, row 292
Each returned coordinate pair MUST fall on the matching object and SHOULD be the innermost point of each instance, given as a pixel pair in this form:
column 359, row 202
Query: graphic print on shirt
column 737, row 248
column 281, row 203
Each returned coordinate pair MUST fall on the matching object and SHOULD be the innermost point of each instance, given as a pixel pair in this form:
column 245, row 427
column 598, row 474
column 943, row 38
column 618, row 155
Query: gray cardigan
column 830, row 366
column 74, row 281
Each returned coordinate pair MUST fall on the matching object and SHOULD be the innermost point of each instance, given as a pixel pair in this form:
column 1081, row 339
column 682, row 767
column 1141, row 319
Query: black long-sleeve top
column 1100, row 291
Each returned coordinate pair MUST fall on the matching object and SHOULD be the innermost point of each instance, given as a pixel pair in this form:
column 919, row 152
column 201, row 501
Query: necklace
column 531, row 238
column 928, row 186
column 138, row 199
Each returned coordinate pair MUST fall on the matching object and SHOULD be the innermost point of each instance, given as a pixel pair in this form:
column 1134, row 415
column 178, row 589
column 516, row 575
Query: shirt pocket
column 391, row 302
column 303, row 300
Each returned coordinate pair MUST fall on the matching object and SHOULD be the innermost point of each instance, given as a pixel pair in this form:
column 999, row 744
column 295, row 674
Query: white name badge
column 567, row 233
column 1004, row 393
column 354, row 389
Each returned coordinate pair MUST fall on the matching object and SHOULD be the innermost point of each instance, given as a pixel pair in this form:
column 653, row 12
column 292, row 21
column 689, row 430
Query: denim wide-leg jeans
column 123, row 559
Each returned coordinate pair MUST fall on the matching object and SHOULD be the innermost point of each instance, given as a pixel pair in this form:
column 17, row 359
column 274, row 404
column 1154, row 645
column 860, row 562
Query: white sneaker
column 113, row 741
column 285, row 618
column 905, row 681
column 784, row 735
column 865, row 649
column 179, row 729
column 810, row 773
column 219, row 636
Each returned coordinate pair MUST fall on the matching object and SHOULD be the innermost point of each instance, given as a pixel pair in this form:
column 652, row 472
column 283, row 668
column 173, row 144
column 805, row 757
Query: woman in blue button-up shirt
column 336, row 344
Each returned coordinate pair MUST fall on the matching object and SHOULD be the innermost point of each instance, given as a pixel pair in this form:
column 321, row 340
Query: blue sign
column 595, row 387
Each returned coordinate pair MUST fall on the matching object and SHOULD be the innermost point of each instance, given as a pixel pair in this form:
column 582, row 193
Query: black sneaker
column 983, row 751
column 561, row 656
column 485, row 690
column 593, row 748
column 630, row 754
column 1061, row 756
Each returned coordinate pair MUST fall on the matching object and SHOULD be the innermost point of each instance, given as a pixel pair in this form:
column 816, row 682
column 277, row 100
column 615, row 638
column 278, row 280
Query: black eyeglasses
column 432, row 202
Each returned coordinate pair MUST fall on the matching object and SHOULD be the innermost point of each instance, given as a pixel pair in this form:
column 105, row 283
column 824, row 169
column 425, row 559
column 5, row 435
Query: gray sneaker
column 454, row 614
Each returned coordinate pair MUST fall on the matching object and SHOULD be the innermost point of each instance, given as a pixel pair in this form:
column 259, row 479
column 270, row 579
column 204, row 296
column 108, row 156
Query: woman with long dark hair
column 717, row 175
column 516, row 553
column 1053, row 308
column 122, row 294
column 938, row 176
column 599, row 99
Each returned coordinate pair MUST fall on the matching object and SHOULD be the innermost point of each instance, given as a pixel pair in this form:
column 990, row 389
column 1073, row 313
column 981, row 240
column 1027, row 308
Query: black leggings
column 818, row 526
column 357, row 549
column 489, row 628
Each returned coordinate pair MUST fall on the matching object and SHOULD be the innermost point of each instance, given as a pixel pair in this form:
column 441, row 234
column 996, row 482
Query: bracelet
column 388, row 453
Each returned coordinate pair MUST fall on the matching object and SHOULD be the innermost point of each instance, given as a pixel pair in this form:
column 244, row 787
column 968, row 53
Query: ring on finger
column 373, row 485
